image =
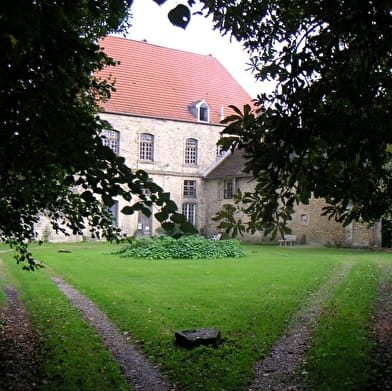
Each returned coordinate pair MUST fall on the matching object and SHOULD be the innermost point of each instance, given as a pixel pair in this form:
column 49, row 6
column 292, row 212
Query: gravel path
column 281, row 370
column 139, row 372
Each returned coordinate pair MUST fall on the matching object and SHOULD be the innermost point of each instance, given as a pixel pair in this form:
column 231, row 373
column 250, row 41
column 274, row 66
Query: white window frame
column 203, row 111
column 146, row 147
column 189, row 188
column 191, row 151
column 111, row 139
column 228, row 188
column 189, row 211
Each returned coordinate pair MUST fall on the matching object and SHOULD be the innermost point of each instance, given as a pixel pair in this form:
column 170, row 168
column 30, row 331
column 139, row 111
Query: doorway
column 144, row 225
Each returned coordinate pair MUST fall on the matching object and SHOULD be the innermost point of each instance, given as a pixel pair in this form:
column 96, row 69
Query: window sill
column 146, row 161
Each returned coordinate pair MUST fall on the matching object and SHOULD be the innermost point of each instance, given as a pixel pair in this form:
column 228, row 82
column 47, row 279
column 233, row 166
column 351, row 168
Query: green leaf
column 162, row 215
column 178, row 218
column 180, row 16
column 87, row 196
column 127, row 210
column 188, row 227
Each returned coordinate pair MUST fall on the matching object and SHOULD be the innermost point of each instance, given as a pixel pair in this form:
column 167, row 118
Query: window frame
column 114, row 211
column 219, row 152
column 191, row 151
column 304, row 218
column 189, row 188
column 203, row 111
column 228, row 188
column 146, row 147
column 189, row 210
column 111, row 139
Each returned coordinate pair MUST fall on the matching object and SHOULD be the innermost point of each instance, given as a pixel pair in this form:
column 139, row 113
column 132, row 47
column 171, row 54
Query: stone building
column 310, row 227
column 166, row 114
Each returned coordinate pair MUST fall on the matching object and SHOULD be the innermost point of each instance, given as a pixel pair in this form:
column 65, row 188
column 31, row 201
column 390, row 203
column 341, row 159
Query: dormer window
column 201, row 111
column 204, row 112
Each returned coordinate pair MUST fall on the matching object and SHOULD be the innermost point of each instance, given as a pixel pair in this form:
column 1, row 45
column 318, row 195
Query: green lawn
column 251, row 299
column 342, row 345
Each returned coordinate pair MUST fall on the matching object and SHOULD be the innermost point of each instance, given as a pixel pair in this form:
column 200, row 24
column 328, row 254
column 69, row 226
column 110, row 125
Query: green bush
column 186, row 247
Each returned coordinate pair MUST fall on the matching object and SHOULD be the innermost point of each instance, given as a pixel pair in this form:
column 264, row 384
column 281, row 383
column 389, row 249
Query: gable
column 231, row 165
column 159, row 82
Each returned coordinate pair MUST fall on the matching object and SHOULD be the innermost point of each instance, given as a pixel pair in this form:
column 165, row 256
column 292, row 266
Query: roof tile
column 155, row 81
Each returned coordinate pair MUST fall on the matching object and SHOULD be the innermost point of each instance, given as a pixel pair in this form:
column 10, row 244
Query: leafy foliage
column 186, row 247
column 326, row 128
column 52, row 161
column 248, row 214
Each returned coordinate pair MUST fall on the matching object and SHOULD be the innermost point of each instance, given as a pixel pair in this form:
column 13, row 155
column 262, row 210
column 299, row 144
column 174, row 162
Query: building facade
column 224, row 179
column 166, row 114
column 166, row 111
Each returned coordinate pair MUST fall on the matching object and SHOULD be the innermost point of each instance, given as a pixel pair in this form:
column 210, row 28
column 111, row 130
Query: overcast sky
column 150, row 22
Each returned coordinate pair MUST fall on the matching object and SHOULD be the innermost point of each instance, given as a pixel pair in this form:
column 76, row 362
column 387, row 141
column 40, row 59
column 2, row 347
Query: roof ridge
column 162, row 47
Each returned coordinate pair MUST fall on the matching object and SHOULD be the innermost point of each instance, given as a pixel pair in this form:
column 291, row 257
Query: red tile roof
column 154, row 81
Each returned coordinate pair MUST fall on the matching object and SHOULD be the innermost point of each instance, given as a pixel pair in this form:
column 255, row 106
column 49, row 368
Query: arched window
column 146, row 147
column 111, row 139
column 191, row 151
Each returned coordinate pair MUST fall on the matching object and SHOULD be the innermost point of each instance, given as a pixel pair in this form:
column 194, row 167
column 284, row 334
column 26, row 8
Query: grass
column 343, row 343
column 73, row 358
column 251, row 299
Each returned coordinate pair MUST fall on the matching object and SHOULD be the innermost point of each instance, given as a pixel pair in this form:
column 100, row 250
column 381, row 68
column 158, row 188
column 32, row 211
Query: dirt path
column 139, row 372
column 280, row 371
column 382, row 328
column 18, row 348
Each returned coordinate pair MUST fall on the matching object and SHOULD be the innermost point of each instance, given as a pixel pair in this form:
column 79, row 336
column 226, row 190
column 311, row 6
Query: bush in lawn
column 132, row 242
column 186, row 247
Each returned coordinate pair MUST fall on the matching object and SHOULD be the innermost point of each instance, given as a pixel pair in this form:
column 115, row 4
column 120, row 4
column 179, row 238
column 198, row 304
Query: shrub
column 186, row 247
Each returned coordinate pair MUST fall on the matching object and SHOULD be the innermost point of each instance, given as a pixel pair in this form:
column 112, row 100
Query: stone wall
column 46, row 233
column 169, row 143
column 311, row 227
column 307, row 224
column 168, row 168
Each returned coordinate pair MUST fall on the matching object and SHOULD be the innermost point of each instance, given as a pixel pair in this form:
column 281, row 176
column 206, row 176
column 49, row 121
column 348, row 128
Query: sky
column 150, row 23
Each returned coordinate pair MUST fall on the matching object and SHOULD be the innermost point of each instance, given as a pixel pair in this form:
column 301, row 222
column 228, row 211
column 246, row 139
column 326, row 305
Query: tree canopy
column 326, row 129
column 52, row 160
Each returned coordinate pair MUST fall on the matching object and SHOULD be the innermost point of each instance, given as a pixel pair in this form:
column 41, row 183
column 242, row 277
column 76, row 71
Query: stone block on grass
column 197, row 337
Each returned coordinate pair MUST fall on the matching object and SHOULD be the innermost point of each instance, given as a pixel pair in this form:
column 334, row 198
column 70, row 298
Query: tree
column 326, row 128
column 52, row 160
